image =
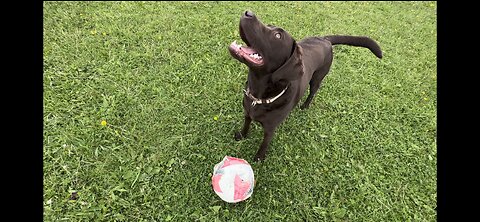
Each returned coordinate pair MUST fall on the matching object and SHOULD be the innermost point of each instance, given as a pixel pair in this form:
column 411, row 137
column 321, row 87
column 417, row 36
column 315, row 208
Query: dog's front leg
column 267, row 137
column 246, row 126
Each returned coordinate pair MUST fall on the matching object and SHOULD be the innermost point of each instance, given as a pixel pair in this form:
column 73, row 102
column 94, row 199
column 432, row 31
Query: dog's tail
column 361, row 41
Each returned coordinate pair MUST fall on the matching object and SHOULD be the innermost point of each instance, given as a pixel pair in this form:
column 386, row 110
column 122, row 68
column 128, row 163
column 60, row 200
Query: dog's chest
column 256, row 112
column 262, row 113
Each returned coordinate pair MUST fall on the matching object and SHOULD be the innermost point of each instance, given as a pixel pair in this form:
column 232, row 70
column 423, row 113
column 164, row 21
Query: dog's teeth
column 255, row 56
column 236, row 44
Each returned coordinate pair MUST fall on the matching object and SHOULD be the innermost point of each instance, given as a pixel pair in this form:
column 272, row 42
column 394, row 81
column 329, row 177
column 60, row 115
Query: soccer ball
column 233, row 179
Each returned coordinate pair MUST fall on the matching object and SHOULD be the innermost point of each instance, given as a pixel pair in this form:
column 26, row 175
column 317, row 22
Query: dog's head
column 268, row 47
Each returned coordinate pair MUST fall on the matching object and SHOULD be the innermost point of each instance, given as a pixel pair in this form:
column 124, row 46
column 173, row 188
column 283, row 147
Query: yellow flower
column 215, row 118
column 104, row 123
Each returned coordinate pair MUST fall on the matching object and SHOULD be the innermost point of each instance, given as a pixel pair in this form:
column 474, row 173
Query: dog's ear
column 292, row 69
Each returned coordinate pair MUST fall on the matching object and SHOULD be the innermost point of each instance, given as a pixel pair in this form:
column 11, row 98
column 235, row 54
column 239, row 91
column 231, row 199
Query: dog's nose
column 249, row 14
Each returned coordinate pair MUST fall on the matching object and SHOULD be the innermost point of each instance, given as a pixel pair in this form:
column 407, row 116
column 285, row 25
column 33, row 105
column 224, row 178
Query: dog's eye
column 278, row 35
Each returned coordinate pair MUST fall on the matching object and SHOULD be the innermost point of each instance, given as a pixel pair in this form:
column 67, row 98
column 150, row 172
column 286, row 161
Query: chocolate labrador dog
column 280, row 69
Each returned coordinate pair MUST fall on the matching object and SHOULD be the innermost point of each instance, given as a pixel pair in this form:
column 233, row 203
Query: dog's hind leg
column 246, row 126
column 315, row 83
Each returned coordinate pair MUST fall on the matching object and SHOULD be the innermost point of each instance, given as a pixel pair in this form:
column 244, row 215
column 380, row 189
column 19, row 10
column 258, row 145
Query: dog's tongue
column 247, row 53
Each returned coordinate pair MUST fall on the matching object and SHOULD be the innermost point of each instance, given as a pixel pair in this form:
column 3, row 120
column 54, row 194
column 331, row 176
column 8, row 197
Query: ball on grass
column 233, row 179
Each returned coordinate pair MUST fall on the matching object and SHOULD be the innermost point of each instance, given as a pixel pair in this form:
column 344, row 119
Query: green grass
column 160, row 75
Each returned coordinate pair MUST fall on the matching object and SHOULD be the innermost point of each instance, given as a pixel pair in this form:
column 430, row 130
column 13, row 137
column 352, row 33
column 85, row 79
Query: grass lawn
column 160, row 77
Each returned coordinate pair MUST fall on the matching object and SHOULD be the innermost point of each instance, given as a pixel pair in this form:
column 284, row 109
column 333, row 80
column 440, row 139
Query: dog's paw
column 238, row 136
column 259, row 157
column 304, row 106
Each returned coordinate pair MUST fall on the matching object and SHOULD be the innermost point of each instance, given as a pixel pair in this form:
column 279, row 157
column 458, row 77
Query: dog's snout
column 249, row 13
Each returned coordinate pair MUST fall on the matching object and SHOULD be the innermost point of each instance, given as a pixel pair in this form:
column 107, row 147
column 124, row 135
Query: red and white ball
column 233, row 179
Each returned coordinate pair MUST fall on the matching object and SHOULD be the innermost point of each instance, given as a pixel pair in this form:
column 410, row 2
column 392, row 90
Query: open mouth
column 247, row 53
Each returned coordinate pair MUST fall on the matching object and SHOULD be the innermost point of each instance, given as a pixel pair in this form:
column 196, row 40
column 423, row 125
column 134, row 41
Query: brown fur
column 285, row 63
